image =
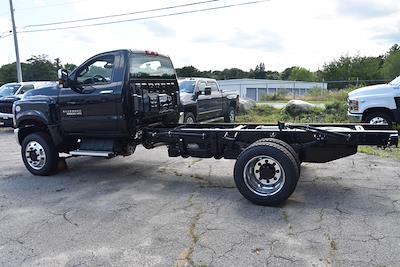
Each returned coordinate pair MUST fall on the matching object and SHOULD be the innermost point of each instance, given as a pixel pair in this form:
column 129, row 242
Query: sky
column 279, row 33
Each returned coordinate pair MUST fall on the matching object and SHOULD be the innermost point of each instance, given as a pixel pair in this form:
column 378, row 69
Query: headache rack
column 312, row 142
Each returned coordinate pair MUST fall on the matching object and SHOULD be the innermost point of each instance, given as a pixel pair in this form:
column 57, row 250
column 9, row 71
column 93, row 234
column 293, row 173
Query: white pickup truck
column 376, row 104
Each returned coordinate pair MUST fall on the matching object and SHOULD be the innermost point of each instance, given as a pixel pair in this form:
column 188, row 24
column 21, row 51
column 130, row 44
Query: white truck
column 376, row 104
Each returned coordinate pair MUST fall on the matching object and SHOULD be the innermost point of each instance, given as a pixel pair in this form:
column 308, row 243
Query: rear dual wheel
column 285, row 145
column 266, row 173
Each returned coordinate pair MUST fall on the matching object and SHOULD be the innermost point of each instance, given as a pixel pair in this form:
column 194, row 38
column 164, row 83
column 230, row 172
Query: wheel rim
column 232, row 116
column 35, row 155
column 264, row 175
column 189, row 120
column 378, row 120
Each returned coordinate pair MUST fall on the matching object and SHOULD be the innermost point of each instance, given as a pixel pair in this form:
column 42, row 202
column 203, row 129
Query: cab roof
column 135, row 51
column 195, row 79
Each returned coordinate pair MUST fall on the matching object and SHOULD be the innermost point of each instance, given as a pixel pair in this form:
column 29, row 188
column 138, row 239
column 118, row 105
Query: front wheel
column 378, row 118
column 230, row 115
column 266, row 174
column 189, row 118
column 39, row 154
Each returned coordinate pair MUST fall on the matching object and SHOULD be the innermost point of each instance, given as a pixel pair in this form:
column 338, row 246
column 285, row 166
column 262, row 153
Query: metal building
column 257, row 89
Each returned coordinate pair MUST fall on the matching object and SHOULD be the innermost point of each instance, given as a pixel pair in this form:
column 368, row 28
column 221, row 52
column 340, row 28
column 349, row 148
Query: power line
column 119, row 15
column 9, row 31
column 5, row 35
column 144, row 18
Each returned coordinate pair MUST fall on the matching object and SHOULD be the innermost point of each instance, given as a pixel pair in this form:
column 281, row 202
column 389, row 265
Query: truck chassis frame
column 313, row 142
column 268, row 156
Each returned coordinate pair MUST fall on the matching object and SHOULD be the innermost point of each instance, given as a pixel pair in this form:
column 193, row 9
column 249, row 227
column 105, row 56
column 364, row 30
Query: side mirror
column 207, row 90
column 63, row 77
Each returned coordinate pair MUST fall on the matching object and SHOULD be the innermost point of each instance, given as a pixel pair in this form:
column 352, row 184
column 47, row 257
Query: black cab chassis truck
column 117, row 100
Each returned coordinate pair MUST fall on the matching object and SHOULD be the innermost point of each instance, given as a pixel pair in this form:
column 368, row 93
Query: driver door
column 90, row 108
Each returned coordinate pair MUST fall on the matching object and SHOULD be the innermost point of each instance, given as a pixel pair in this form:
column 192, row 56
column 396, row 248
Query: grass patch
column 334, row 111
column 393, row 152
column 313, row 95
column 387, row 153
column 260, row 114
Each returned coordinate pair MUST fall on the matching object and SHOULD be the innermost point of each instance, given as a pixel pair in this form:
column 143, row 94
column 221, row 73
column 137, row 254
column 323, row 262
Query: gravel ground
column 151, row 210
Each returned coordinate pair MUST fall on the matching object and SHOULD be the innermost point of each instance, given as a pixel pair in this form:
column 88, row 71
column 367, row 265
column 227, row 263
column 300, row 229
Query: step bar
column 92, row 153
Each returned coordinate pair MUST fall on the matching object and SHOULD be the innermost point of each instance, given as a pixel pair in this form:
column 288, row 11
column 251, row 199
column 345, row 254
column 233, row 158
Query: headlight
column 353, row 105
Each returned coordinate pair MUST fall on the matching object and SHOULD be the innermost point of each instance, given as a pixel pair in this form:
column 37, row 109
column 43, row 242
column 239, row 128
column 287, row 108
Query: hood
column 9, row 99
column 371, row 90
column 186, row 98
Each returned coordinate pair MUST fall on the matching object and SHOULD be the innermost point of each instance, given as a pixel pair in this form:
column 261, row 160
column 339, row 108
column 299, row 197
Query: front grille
column 6, row 108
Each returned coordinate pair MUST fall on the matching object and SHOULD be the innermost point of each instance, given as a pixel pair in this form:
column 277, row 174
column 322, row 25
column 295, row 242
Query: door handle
column 106, row 92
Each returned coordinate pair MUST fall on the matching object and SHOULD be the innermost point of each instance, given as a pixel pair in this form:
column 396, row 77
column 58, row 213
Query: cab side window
column 214, row 87
column 99, row 71
column 201, row 86
column 26, row 88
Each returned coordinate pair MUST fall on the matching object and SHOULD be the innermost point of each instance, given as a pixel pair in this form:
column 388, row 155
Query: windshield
column 186, row 86
column 151, row 66
column 395, row 81
column 9, row 89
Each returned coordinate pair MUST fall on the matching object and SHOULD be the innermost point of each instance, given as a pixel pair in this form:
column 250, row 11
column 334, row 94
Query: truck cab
column 100, row 108
column 376, row 104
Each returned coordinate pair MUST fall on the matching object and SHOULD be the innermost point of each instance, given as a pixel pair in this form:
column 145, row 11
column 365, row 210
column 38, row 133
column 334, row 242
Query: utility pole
column 18, row 63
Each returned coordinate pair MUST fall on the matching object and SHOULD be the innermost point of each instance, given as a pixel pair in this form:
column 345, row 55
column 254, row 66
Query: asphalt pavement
column 151, row 210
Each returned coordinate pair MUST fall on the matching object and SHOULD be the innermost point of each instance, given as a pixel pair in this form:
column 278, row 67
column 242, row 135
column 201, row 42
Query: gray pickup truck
column 203, row 100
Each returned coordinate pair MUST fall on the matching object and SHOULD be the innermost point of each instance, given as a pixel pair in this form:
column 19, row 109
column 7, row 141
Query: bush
column 319, row 94
column 334, row 111
column 316, row 93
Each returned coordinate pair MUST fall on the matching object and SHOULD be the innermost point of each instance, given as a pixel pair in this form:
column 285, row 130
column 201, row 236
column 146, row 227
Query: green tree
column 287, row 72
column 272, row 75
column 188, row 71
column 69, row 67
column 233, row 73
column 8, row 72
column 353, row 69
column 301, row 74
column 259, row 72
column 391, row 65
column 37, row 68
column 40, row 69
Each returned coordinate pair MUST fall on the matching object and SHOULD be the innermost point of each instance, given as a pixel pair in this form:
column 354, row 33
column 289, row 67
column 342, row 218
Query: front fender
column 41, row 110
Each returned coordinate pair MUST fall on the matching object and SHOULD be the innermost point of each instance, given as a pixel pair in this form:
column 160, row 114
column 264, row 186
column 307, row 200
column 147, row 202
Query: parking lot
column 152, row 210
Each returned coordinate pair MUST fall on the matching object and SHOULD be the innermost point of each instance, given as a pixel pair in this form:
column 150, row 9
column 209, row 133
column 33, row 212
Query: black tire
column 230, row 115
column 376, row 116
column 275, row 155
column 39, row 144
column 285, row 145
column 189, row 118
